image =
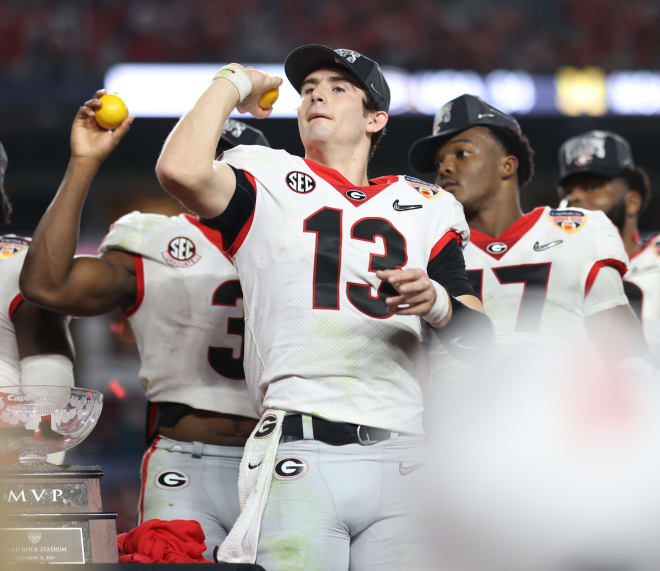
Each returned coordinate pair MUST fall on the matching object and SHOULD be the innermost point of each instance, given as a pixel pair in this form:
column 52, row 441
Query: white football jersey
column 13, row 250
column 319, row 339
column 188, row 319
column 533, row 279
column 642, row 285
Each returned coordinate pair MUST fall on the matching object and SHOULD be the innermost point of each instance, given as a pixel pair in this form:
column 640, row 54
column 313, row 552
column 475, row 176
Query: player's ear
column 509, row 166
column 376, row 121
column 633, row 201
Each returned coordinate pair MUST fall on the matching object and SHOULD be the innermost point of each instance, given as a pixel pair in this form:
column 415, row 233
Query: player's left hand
column 417, row 294
column 88, row 139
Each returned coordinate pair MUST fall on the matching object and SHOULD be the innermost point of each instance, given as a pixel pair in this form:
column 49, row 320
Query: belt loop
column 307, row 427
column 197, row 449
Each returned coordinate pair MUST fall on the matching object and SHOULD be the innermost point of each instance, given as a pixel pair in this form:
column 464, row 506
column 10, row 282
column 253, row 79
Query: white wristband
column 440, row 308
column 238, row 77
column 50, row 369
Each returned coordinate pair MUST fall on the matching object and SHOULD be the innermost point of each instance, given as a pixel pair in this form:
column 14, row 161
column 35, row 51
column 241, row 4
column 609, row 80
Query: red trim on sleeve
column 139, row 276
column 593, row 272
column 446, row 238
column 15, row 304
column 214, row 236
column 233, row 248
column 143, row 477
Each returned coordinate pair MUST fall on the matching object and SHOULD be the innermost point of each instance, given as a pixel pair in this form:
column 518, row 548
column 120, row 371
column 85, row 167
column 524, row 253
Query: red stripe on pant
column 143, row 477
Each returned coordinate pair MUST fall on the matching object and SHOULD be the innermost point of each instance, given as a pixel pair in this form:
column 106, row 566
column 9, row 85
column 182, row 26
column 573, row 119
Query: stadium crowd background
column 53, row 55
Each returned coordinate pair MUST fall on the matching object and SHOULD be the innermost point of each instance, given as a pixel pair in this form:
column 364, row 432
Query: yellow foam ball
column 112, row 112
column 268, row 98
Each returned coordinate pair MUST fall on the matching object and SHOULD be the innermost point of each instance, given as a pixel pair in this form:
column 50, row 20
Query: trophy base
column 53, row 514
column 58, row 538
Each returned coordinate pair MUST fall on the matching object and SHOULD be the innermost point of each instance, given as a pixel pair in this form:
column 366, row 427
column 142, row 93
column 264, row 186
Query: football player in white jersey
column 554, row 273
column 551, row 281
column 183, row 300
column 35, row 345
column 339, row 275
column 598, row 172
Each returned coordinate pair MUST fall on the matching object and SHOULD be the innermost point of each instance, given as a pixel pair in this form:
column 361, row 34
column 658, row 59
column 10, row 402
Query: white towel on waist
column 254, row 478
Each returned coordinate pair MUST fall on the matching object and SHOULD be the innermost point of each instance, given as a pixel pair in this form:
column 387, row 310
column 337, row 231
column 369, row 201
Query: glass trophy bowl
column 38, row 420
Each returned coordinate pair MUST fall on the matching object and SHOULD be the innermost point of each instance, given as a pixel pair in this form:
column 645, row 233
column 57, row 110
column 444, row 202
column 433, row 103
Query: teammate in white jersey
column 330, row 344
column 183, row 299
column 598, row 172
column 552, row 272
column 35, row 346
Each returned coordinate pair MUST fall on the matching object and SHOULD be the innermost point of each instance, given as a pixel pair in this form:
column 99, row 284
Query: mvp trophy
column 49, row 513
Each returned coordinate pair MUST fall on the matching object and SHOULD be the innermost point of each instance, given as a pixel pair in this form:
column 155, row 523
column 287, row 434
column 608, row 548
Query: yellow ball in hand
column 112, row 112
column 268, row 98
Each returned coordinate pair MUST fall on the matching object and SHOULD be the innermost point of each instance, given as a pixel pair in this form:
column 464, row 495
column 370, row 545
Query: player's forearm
column 49, row 261
column 185, row 167
column 617, row 334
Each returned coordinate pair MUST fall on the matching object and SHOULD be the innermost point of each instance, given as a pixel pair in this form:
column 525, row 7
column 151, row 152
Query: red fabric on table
column 161, row 541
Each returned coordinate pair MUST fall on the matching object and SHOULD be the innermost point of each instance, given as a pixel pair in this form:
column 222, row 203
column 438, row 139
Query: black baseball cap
column 236, row 133
column 453, row 117
column 598, row 152
column 304, row 60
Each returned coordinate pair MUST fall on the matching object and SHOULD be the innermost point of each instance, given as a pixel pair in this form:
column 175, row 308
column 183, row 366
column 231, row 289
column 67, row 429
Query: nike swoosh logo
column 484, row 115
column 403, row 207
column 253, row 466
column 540, row 247
column 404, row 469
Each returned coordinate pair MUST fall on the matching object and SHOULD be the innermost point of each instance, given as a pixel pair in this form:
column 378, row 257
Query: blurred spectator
column 80, row 38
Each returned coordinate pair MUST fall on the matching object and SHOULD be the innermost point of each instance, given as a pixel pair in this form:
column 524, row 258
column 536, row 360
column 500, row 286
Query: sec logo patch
column 300, row 182
column 172, row 480
column 181, row 253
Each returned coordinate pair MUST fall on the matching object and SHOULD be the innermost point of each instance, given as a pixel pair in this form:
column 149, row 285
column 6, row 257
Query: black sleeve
column 469, row 333
column 238, row 211
column 448, row 269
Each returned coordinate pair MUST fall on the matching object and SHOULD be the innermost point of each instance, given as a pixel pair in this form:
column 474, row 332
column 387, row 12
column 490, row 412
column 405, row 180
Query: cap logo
column 583, row 160
column 349, row 55
column 443, row 115
column 234, row 127
column 581, row 151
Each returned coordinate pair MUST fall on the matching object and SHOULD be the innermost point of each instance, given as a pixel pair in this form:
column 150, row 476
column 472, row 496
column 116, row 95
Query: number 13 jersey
column 319, row 338
column 533, row 279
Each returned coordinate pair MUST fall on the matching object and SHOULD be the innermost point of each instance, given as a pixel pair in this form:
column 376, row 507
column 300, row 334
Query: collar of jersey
column 510, row 236
column 341, row 184
column 655, row 238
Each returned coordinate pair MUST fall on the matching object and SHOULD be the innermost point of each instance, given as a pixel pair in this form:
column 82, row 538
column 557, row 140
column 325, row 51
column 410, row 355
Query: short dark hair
column 637, row 179
column 5, row 205
column 517, row 144
column 370, row 104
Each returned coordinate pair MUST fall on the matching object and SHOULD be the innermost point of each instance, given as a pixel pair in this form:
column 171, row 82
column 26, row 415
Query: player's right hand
column 261, row 82
column 88, row 139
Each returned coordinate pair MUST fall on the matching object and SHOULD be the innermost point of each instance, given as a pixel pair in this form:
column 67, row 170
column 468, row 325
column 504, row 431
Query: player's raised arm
column 186, row 167
column 51, row 276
